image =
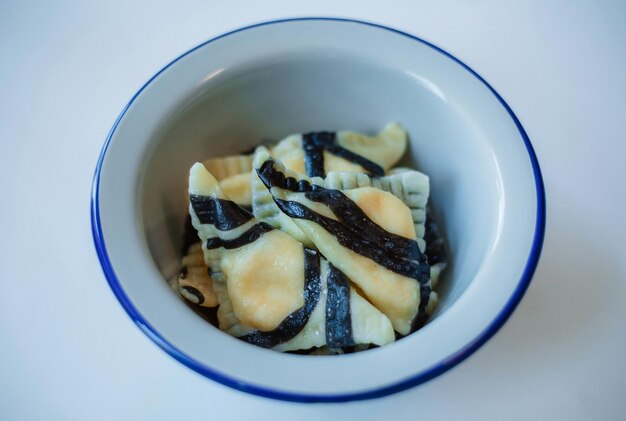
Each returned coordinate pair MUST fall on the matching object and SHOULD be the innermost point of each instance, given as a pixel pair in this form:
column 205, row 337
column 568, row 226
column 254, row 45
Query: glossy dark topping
column 314, row 145
column 249, row 236
column 295, row 322
column 338, row 319
column 224, row 214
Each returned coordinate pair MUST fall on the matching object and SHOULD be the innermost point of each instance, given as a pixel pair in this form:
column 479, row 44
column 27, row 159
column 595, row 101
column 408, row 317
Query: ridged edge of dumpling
column 385, row 148
column 228, row 166
column 265, row 209
column 412, row 187
column 195, row 274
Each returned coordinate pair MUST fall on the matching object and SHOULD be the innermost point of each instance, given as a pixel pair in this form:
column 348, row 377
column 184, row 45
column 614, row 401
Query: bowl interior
column 264, row 83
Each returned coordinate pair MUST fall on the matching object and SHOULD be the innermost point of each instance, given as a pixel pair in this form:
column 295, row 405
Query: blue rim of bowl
column 416, row 379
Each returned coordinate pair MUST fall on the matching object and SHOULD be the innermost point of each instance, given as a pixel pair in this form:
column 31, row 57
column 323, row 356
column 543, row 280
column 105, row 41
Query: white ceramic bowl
column 270, row 80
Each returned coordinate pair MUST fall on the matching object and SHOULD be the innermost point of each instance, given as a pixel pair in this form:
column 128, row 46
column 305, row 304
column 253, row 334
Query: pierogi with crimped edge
column 316, row 153
column 273, row 291
column 334, row 256
column 366, row 232
column 340, row 151
column 193, row 281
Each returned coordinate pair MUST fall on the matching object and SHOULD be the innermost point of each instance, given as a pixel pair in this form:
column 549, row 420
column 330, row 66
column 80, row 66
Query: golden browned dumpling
column 384, row 149
column 233, row 173
column 314, row 154
column 272, row 290
column 265, row 209
column 410, row 186
column 194, row 283
column 367, row 233
column 317, row 153
column 228, row 166
column 339, row 250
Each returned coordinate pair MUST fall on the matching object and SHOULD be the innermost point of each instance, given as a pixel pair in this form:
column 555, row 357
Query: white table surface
column 69, row 351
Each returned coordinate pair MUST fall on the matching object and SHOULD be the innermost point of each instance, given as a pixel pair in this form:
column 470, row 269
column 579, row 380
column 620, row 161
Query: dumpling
column 237, row 188
column 227, row 166
column 316, row 153
column 233, row 173
column 194, row 283
column 273, row 291
column 264, row 208
column 342, row 317
column 410, row 186
column 385, row 149
column 366, row 233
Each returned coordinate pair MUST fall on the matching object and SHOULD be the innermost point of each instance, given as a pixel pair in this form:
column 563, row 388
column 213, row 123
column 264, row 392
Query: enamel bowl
column 267, row 81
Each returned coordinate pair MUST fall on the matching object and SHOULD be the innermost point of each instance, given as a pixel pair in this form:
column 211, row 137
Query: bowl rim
column 414, row 380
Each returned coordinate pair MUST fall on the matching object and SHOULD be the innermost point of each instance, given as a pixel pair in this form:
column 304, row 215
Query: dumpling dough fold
column 367, row 233
column 273, row 291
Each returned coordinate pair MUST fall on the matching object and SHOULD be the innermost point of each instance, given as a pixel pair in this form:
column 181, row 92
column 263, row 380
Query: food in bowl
column 314, row 244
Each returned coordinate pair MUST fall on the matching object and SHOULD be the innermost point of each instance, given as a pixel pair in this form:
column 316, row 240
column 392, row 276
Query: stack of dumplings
column 315, row 244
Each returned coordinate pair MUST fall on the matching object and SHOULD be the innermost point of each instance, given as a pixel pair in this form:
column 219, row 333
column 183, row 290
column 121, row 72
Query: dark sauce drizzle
column 354, row 230
column 295, row 322
column 249, row 236
column 314, row 145
column 338, row 320
column 224, row 214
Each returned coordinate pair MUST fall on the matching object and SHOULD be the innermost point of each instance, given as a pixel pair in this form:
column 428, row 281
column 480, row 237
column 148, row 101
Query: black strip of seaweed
column 358, row 223
column 314, row 145
column 224, row 214
column 295, row 322
column 251, row 235
column 348, row 155
column 338, row 319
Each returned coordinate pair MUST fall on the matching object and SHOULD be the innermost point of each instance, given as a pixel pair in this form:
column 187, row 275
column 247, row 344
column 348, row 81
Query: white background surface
column 69, row 351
